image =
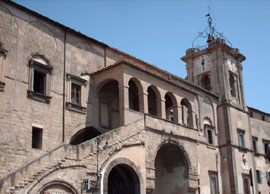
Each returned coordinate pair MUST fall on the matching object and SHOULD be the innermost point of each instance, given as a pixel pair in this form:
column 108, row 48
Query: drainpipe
column 64, row 87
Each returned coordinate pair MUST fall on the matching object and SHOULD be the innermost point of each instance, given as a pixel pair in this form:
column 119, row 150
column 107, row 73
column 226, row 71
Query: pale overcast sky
column 159, row 31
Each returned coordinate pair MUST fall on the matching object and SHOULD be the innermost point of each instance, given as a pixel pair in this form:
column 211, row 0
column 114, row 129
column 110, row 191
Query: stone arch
column 171, row 107
column 58, row 183
column 34, row 188
column 122, row 161
column 104, row 82
column 84, row 134
column 134, row 94
column 154, row 103
column 171, row 163
column 187, row 117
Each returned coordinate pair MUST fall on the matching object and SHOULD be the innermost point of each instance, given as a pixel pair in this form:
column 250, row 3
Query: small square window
column 36, row 138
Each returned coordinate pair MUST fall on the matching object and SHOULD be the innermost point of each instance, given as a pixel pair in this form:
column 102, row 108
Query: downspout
column 64, row 87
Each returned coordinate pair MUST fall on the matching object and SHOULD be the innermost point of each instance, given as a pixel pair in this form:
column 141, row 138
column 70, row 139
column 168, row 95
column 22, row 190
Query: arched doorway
column 123, row 180
column 84, row 135
column 171, row 171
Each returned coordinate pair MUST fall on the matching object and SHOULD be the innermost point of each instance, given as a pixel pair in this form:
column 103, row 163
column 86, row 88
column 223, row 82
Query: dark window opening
column 39, row 82
column 232, row 85
column 133, row 94
column 75, row 94
column 254, row 143
column 36, row 138
column 259, row 176
column 263, row 118
column 152, row 102
column 210, row 136
column 169, row 108
column 251, row 114
column 266, row 148
column 206, row 82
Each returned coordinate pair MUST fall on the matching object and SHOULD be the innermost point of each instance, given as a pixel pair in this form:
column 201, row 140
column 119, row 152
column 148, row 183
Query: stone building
column 78, row 116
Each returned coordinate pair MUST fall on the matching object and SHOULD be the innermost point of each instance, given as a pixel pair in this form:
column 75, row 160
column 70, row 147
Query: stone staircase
column 67, row 155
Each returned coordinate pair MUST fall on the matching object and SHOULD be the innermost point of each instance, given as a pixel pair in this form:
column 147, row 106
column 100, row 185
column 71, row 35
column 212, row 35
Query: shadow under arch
column 125, row 169
column 135, row 91
column 84, row 134
column 172, row 169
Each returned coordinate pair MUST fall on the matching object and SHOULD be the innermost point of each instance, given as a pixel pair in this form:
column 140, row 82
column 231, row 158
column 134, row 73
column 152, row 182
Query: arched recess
column 171, row 107
column 57, row 187
column 171, row 170
column 134, row 92
column 154, row 104
column 108, row 95
column 84, row 135
column 187, row 118
column 122, row 174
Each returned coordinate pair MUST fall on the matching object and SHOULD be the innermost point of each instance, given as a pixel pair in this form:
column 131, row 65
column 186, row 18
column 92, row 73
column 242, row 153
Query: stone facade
column 78, row 116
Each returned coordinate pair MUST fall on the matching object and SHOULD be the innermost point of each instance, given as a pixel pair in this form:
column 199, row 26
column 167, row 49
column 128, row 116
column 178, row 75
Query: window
column 259, row 176
column 209, row 133
column 2, row 57
column 75, row 90
column 263, row 117
column 241, row 138
column 251, row 114
column 213, row 182
column 39, row 79
column 75, row 94
column 254, row 144
column 36, row 138
column 232, row 85
column 206, row 82
column 266, row 146
column 268, row 177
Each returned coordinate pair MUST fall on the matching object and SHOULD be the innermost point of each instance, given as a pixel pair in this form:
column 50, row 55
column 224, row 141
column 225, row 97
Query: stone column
column 123, row 103
column 176, row 114
column 161, row 108
column 143, row 98
column 179, row 109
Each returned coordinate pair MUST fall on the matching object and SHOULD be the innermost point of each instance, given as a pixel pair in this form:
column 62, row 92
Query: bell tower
column 216, row 66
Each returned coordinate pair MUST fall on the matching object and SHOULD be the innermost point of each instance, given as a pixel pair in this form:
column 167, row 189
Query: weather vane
column 209, row 32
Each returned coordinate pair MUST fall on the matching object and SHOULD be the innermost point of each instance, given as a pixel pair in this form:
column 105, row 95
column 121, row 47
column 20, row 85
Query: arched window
column 232, row 85
column 209, row 130
column 206, row 82
column 186, row 113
